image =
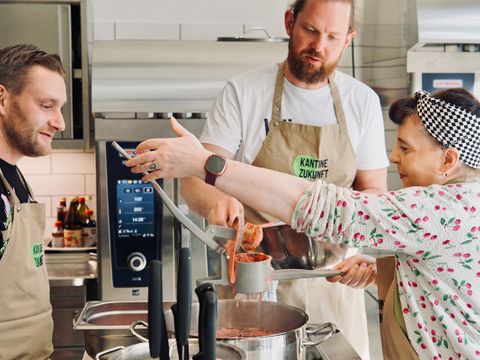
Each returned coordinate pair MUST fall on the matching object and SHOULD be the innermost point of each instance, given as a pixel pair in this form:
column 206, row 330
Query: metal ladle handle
column 289, row 274
column 210, row 233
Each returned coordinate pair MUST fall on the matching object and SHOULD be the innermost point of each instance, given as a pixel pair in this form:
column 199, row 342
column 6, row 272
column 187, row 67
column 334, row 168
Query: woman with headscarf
column 432, row 224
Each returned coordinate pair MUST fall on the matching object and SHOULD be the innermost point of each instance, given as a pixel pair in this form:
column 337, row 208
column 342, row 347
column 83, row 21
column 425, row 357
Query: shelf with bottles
column 76, row 227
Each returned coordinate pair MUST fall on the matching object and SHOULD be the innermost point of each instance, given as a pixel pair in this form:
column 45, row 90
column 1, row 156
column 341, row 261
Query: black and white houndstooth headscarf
column 452, row 126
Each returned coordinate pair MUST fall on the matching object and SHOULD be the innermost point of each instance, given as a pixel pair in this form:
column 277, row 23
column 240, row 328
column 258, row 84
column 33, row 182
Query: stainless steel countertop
column 71, row 268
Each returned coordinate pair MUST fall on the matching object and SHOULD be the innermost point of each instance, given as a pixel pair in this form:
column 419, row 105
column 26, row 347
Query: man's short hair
column 298, row 5
column 16, row 61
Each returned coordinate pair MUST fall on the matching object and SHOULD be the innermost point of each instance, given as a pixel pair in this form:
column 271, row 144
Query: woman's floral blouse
column 435, row 234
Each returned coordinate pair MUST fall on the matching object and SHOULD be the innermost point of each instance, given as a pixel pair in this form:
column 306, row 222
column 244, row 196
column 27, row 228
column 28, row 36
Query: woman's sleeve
column 411, row 220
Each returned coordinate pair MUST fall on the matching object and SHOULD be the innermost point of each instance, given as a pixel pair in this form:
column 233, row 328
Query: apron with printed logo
column 26, row 325
column 314, row 153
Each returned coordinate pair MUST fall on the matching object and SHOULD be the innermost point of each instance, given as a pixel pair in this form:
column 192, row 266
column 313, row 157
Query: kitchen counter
column 71, row 268
column 72, row 275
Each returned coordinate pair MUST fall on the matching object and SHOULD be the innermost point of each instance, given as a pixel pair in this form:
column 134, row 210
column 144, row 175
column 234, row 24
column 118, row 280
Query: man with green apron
column 32, row 93
column 302, row 117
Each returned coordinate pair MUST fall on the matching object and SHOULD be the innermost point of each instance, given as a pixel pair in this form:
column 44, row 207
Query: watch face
column 215, row 164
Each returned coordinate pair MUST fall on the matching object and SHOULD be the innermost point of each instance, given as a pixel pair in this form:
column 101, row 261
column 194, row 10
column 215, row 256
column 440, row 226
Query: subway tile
column 73, row 163
column 209, row 31
column 104, row 31
column 48, row 204
column 147, row 31
column 35, row 165
column 55, row 151
column 90, row 184
column 44, row 185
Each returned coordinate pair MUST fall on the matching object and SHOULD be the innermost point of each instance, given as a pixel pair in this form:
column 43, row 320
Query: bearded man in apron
column 301, row 117
column 32, row 93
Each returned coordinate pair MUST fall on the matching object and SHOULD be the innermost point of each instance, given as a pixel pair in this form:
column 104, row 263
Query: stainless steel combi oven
column 136, row 85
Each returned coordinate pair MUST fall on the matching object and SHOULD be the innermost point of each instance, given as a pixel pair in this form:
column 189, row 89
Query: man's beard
column 305, row 72
column 21, row 135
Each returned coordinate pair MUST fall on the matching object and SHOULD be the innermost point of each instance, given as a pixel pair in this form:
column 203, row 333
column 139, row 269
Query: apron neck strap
column 278, row 91
column 337, row 104
column 277, row 95
column 11, row 192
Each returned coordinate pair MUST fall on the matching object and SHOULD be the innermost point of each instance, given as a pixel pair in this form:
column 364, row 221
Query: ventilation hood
column 170, row 76
column 448, row 37
column 448, row 22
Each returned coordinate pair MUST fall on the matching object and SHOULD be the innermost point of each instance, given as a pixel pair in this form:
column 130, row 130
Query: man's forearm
column 199, row 196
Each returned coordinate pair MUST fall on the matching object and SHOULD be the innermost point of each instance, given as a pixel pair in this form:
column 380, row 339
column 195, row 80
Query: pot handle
column 134, row 332
column 109, row 351
column 313, row 329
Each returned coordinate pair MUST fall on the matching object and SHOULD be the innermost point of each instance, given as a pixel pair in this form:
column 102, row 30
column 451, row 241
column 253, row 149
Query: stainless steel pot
column 141, row 352
column 290, row 334
column 292, row 250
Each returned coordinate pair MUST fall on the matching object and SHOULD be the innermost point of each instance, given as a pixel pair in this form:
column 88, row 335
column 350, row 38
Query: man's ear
column 451, row 157
column 350, row 36
column 3, row 99
column 289, row 21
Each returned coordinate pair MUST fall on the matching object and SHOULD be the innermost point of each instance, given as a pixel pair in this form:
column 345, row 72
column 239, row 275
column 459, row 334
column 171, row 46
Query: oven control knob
column 136, row 261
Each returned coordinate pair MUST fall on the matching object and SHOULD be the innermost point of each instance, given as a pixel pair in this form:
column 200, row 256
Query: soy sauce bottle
column 72, row 233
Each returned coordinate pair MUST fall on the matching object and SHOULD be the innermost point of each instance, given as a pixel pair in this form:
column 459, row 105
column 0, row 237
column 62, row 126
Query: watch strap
column 210, row 178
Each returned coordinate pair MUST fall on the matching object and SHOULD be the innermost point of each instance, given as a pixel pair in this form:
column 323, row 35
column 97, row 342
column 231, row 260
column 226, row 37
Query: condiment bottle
column 89, row 230
column 63, row 205
column 82, row 208
column 73, row 226
column 57, row 234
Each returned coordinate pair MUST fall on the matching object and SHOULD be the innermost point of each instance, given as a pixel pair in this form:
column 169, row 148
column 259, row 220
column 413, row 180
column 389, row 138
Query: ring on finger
column 152, row 166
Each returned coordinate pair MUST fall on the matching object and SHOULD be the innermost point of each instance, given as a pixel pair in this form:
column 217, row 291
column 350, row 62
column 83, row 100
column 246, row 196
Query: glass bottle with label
column 57, row 235
column 63, row 206
column 73, row 226
column 89, row 230
column 82, row 208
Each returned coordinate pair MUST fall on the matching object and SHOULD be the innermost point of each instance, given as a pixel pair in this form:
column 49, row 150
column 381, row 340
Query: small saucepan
column 255, row 272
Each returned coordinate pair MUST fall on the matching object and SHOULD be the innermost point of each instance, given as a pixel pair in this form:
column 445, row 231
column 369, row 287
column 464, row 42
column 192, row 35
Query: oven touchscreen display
column 135, row 209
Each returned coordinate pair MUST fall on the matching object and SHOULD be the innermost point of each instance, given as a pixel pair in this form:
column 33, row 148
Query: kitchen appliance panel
column 135, row 221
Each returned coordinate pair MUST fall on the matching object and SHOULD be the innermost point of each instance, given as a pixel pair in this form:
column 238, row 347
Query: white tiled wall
column 60, row 174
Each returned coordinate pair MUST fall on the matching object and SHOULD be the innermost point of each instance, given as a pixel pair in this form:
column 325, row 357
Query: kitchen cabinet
column 60, row 27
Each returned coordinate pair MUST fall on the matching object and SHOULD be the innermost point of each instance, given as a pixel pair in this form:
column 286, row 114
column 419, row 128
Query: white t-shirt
column 236, row 121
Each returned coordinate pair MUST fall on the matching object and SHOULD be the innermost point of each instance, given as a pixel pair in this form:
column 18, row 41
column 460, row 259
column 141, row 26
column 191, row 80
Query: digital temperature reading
column 135, row 207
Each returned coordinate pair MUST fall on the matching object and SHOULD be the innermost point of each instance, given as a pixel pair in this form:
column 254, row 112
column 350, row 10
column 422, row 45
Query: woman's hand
column 170, row 158
column 359, row 271
column 225, row 212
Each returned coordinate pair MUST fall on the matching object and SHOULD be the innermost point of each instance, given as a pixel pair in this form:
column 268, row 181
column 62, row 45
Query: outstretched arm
column 266, row 190
column 207, row 201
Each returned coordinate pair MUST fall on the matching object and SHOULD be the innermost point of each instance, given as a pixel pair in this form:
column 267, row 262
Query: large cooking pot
column 288, row 333
column 141, row 351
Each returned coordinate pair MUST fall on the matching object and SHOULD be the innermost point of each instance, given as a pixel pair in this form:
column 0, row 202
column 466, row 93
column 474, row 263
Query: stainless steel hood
column 448, row 21
column 448, row 38
column 170, row 76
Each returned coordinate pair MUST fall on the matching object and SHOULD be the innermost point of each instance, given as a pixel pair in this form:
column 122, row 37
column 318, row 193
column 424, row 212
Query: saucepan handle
column 327, row 329
column 108, row 351
column 133, row 329
column 289, row 274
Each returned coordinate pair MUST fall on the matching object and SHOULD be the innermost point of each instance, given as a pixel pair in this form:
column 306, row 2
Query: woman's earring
column 445, row 174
